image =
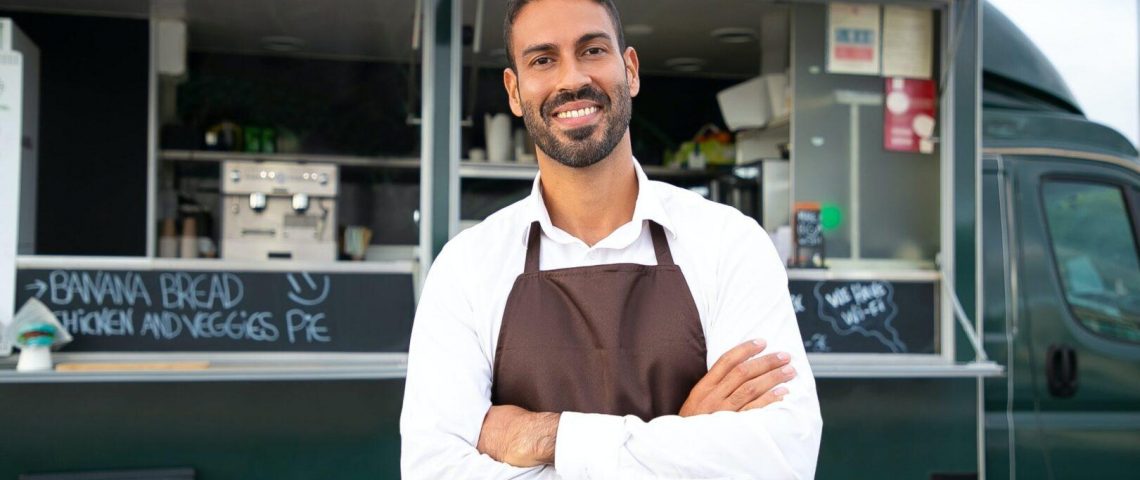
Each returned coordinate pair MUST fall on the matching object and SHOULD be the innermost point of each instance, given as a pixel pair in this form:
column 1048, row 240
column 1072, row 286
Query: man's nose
column 572, row 77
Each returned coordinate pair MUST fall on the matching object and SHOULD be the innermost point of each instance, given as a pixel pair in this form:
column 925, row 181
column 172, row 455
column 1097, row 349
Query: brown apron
column 621, row 339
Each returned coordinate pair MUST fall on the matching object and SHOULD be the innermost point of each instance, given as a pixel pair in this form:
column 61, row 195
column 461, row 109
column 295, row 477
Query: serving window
column 288, row 140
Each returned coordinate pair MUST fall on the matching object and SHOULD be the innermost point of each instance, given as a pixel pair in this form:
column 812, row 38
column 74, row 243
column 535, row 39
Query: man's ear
column 511, row 83
column 631, row 68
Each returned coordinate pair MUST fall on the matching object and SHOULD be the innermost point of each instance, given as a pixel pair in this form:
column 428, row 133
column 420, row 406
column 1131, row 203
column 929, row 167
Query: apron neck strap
column 532, row 244
column 660, row 246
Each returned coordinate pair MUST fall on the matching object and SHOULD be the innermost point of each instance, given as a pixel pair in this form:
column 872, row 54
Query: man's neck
column 590, row 203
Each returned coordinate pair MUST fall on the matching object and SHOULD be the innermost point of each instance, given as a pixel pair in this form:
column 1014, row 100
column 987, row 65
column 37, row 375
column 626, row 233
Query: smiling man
column 606, row 326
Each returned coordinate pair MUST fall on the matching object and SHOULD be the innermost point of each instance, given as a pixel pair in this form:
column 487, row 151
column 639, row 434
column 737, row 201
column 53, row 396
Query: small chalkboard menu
column 216, row 311
column 808, row 235
column 808, row 230
column 866, row 316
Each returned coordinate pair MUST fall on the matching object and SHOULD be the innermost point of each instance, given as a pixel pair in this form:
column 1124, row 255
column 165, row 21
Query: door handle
column 1061, row 371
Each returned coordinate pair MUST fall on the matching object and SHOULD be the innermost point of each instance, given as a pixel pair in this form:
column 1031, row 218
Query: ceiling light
column 282, row 43
column 735, row 35
column 685, row 64
column 638, row 29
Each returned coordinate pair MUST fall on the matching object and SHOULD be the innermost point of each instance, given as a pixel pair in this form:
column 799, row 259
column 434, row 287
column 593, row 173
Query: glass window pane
column 324, row 100
column 1095, row 251
column 887, row 201
column 688, row 53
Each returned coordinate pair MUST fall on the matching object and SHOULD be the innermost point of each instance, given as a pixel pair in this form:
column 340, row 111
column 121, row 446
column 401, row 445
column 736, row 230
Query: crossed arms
column 746, row 419
column 736, row 383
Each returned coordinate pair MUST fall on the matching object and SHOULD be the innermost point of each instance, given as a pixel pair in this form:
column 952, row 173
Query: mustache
column 587, row 92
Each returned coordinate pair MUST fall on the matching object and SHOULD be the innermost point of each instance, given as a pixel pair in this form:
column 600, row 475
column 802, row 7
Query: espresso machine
column 278, row 210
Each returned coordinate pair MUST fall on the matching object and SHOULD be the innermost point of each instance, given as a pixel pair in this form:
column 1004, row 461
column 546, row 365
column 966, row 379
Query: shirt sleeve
column 448, row 388
column 778, row 441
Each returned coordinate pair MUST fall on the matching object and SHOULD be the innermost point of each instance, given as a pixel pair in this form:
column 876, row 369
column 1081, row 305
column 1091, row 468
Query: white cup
column 34, row 359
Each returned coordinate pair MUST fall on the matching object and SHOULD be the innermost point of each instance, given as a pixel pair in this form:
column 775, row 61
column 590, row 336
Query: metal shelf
column 655, row 171
column 292, row 367
column 467, row 169
column 346, row 160
column 498, row 171
column 226, row 368
column 517, row 171
column 869, row 270
column 905, row 370
column 210, row 264
column 219, row 374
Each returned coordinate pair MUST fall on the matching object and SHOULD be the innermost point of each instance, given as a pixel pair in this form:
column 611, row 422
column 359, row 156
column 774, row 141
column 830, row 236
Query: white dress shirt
column 741, row 292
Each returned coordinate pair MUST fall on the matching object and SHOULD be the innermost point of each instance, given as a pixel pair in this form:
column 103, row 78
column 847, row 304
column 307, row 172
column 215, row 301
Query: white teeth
column 577, row 113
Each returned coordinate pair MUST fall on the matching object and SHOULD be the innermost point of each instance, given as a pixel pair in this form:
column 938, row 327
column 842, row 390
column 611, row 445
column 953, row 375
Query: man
column 606, row 326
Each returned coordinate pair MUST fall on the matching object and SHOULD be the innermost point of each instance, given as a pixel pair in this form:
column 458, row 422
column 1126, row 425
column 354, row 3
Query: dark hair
column 514, row 6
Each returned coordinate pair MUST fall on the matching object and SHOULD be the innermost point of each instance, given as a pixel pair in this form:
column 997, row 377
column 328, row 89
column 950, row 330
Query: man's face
column 573, row 86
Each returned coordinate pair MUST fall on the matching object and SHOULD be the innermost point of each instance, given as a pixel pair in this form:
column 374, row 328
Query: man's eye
column 542, row 60
column 594, row 51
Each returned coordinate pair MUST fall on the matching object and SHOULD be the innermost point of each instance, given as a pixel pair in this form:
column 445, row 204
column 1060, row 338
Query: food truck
column 231, row 208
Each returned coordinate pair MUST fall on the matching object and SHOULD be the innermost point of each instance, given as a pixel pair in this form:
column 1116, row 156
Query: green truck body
column 1059, row 216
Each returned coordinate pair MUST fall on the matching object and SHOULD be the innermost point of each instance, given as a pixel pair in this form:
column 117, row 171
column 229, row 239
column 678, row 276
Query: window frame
column 1131, row 202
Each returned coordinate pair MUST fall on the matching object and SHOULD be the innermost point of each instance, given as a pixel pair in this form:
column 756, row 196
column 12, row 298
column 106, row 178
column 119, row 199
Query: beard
column 581, row 149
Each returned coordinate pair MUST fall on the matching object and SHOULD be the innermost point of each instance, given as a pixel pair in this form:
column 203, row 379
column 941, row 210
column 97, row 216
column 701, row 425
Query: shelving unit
column 480, row 180
column 467, row 169
column 210, row 156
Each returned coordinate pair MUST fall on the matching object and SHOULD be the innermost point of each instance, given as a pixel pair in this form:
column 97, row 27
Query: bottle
column 268, row 140
column 168, row 240
column 252, row 139
column 189, row 244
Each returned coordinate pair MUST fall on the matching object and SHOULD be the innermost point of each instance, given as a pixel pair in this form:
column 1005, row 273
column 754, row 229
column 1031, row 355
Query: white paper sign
column 908, row 36
column 853, row 39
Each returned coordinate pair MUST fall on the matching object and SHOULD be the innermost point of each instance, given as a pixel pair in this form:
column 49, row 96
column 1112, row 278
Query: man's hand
column 518, row 437
column 735, row 383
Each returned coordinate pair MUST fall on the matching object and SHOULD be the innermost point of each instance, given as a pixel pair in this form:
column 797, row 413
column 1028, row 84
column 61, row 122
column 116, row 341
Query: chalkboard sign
column 866, row 316
column 214, row 311
column 808, row 230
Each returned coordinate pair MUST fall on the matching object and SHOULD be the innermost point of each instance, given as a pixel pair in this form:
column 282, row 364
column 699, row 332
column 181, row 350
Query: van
column 1060, row 219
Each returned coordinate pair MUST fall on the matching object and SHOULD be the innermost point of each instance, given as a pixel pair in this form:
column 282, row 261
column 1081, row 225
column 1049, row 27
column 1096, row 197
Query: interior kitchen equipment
column 765, row 151
column 19, row 120
column 758, row 111
column 20, row 104
column 279, row 210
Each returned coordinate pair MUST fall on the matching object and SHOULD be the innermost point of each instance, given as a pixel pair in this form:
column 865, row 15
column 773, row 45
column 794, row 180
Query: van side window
column 1096, row 255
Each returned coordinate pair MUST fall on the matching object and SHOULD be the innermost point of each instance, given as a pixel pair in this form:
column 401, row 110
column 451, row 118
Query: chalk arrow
column 39, row 286
column 305, row 290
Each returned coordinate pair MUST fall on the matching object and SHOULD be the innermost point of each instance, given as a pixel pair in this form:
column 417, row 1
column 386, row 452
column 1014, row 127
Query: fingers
column 749, row 370
column 761, row 385
column 730, row 360
column 740, row 380
column 768, row 398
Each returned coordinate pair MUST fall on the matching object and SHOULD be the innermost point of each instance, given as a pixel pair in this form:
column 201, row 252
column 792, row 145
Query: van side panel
column 897, row 428
column 1093, row 429
column 1011, row 432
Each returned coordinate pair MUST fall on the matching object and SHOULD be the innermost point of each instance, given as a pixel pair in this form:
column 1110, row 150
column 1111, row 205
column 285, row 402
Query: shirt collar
column 647, row 207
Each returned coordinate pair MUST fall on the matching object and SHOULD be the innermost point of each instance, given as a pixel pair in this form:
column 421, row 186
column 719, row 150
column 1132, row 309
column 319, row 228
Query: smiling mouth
column 581, row 112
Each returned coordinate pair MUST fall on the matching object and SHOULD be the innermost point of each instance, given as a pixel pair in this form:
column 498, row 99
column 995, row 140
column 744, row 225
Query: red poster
column 909, row 115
